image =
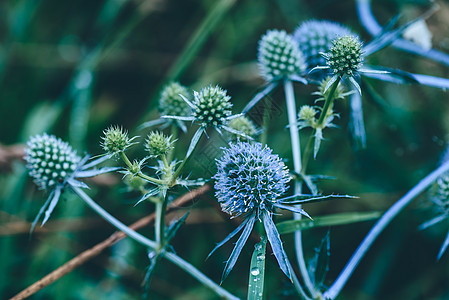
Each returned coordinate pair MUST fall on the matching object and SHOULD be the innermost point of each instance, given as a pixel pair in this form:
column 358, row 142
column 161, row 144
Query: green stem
column 326, row 108
column 140, row 174
column 186, row 159
column 296, row 150
column 266, row 122
column 307, row 154
column 159, row 228
column 153, row 245
column 328, row 103
column 159, row 223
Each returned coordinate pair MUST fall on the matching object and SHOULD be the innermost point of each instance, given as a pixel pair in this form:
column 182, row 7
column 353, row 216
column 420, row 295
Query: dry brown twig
column 97, row 249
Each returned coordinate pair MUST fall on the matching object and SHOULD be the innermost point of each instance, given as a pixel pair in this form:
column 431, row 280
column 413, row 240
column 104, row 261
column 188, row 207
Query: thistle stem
column 389, row 215
column 186, row 159
column 328, row 103
column 266, row 122
column 320, row 123
column 296, row 150
column 153, row 245
column 159, row 229
column 140, row 174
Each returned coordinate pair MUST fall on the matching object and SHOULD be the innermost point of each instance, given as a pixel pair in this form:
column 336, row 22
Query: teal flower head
column 54, row 165
column 315, row 37
column 279, row 56
column 345, row 56
column 249, row 183
column 171, row 103
column 211, row 107
column 50, row 161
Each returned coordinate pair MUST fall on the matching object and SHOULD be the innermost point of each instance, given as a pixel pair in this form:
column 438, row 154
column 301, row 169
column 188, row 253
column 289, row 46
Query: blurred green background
column 74, row 68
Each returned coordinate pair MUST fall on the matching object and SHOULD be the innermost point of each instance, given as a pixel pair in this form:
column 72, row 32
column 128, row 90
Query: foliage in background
column 75, row 68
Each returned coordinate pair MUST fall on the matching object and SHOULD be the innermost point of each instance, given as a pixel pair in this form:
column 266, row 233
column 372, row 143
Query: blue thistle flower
column 315, row 37
column 54, row 165
column 249, row 182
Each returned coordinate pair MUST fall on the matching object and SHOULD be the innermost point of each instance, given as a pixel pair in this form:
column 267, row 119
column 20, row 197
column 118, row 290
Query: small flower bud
column 134, row 183
column 315, row 37
column 243, row 125
column 50, row 161
column 157, row 144
column 115, row 139
column 345, row 55
column 307, row 113
column 338, row 94
column 171, row 103
column 279, row 56
column 212, row 106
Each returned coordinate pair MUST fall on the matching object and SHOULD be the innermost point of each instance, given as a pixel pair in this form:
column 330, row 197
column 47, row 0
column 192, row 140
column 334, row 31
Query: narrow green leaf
column 199, row 37
column 174, row 227
column 276, row 244
column 322, row 261
column 238, row 247
column 257, row 271
column 331, row 220
column 41, row 119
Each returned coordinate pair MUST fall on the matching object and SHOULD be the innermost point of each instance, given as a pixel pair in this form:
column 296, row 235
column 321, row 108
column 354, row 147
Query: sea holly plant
column 316, row 38
column 250, row 183
column 308, row 116
column 55, row 167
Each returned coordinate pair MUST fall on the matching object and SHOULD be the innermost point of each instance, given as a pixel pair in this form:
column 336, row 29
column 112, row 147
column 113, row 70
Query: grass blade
column 332, row 220
column 257, row 271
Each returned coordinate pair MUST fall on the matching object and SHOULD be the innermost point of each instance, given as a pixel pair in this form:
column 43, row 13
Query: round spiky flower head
column 171, row 103
column 315, row 37
column 157, row 144
column 50, row 161
column 243, row 125
column 212, row 106
column 249, row 178
column 279, row 56
column 115, row 139
column 345, row 56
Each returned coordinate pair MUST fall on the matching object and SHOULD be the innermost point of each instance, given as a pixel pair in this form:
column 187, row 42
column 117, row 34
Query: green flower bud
column 315, row 37
column 135, row 183
column 440, row 192
column 307, row 113
column 171, row 103
column 157, row 144
column 115, row 139
column 279, row 56
column 50, row 161
column 345, row 55
column 212, row 106
column 243, row 125
column 338, row 94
